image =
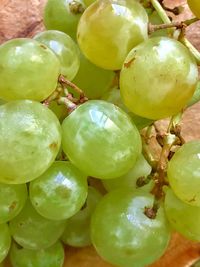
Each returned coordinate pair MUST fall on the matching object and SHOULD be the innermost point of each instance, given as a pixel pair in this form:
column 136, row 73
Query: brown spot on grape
column 53, row 145
column 128, row 64
column 12, row 206
column 43, row 46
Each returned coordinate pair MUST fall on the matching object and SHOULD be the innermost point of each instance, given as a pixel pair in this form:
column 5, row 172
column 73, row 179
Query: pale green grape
column 29, row 70
column 100, row 139
column 65, row 49
column 93, row 80
column 60, row 192
column 59, row 110
column 123, row 235
column 184, row 173
column 30, row 138
column 50, row 257
column 32, row 231
column 140, row 169
column 184, row 218
column 176, row 78
column 155, row 19
column 109, row 29
column 5, row 241
column 63, row 15
column 195, row 7
column 196, row 96
column 77, row 231
column 12, row 200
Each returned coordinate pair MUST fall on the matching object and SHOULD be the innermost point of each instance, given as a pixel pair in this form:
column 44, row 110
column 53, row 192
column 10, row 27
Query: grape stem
column 69, row 104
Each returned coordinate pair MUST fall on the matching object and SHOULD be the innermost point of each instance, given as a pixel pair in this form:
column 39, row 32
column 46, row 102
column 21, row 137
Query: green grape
column 65, row 49
column 196, row 96
column 195, row 7
column 30, row 137
column 77, row 231
column 60, row 192
column 89, row 2
column 105, row 142
column 50, row 257
column 155, row 19
column 32, row 231
column 109, row 29
column 29, row 70
column 12, row 200
column 5, row 241
column 140, row 169
column 59, row 110
column 93, row 80
column 63, row 15
column 2, row 102
column 176, row 75
column 184, row 218
column 114, row 97
column 184, row 173
column 121, row 232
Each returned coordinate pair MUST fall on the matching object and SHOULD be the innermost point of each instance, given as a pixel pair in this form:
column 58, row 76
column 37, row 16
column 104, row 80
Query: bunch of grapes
column 79, row 103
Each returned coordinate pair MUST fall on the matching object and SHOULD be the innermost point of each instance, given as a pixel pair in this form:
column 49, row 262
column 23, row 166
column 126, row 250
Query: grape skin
column 5, row 241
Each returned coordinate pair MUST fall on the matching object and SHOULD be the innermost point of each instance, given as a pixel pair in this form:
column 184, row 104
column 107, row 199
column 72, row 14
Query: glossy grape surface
column 107, row 47
column 100, row 139
column 123, row 235
column 158, row 78
column 195, row 7
column 5, row 241
column 60, row 192
column 30, row 138
column 28, row 70
column 12, row 200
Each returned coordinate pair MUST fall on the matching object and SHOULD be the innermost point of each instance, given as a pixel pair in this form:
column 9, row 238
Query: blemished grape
column 65, row 49
column 29, row 70
column 184, row 218
column 94, row 81
column 184, row 173
column 77, row 231
column 5, row 241
column 32, row 231
column 107, row 47
column 12, row 200
column 195, row 7
column 121, row 232
column 30, row 137
column 50, row 257
column 100, row 139
column 60, row 192
column 63, row 15
column 141, row 168
column 176, row 78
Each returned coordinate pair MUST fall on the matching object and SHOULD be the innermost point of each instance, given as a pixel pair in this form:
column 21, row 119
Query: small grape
column 195, row 7
column 5, row 241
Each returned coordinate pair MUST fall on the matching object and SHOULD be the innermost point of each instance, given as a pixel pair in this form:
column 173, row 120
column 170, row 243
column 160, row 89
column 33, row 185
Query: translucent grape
column 65, row 49
column 176, row 78
column 123, row 235
column 28, row 70
column 5, row 241
column 50, row 257
column 77, row 231
column 32, row 231
column 195, row 7
column 107, row 47
column 184, row 173
column 12, row 200
column 63, row 15
column 100, row 139
column 30, row 138
column 60, row 192
column 184, row 218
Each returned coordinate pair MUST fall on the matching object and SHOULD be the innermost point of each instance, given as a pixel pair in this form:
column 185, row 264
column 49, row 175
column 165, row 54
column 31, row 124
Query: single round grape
column 100, row 139
column 77, row 231
column 176, row 75
column 184, row 218
column 32, row 231
column 50, row 257
column 12, row 200
column 60, row 192
column 5, row 241
column 109, row 29
column 195, row 7
column 63, row 15
column 30, row 137
column 28, row 70
column 184, row 173
column 121, row 232
column 65, row 49
column 93, row 80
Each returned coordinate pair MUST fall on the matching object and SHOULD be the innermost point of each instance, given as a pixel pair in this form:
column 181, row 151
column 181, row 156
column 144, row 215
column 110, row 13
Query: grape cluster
column 57, row 140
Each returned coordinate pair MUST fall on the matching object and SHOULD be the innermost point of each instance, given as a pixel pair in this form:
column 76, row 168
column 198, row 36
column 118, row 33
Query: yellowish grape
column 195, row 7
